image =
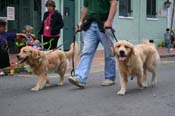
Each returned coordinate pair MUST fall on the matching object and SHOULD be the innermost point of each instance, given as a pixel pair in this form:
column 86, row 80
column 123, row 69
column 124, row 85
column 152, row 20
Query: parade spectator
column 4, row 36
column 29, row 39
column 51, row 25
column 167, row 37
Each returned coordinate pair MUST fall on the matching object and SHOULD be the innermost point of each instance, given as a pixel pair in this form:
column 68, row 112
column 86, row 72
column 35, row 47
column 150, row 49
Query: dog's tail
column 73, row 51
column 147, row 41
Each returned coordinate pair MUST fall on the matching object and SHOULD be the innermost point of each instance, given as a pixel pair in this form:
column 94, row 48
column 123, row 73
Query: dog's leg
column 140, row 80
column 41, row 83
column 61, row 81
column 123, row 84
column 47, row 83
column 154, row 78
column 140, row 76
column 145, row 78
column 152, row 69
column 36, row 88
column 61, row 72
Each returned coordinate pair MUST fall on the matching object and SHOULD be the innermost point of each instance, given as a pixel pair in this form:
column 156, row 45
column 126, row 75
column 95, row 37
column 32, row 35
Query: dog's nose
column 122, row 53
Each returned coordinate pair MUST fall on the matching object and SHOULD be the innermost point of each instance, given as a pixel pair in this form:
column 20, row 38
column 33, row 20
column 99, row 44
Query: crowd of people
column 50, row 29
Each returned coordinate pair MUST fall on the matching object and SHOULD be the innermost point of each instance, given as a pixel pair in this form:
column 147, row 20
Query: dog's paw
column 60, row 84
column 153, row 83
column 47, row 85
column 121, row 92
column 145, row 85
column 35, row 89
column 141, row 88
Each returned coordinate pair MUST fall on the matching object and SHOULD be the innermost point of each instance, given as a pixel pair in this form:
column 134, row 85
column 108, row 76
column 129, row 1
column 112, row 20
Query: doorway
column 69, row 23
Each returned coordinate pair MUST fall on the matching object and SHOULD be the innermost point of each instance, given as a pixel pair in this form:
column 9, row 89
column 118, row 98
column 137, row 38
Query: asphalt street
column 16, row 99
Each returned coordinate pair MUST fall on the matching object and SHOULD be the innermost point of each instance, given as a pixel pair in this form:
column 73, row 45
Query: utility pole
column 172, row 16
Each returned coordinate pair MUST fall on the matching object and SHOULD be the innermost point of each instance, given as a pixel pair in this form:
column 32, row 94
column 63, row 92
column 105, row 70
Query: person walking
column 96, row 22
column 51, row 25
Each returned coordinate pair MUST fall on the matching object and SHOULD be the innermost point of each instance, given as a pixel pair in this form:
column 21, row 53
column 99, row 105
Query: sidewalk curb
column 165, row 56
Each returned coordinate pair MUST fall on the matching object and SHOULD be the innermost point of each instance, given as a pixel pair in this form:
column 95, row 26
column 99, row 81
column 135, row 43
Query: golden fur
column 136, row 60
column 43, row 61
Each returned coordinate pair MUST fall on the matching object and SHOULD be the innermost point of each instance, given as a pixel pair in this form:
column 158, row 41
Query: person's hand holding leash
column 78, row 26
column 108, row 24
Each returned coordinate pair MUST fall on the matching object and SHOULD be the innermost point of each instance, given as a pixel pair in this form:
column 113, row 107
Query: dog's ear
column 132, row 49
column 35, row 53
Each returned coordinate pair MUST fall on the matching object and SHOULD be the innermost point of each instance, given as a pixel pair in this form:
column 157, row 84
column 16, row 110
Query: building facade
column 20, row 13
column 135, row 19
column 25, row 12
column 140, row 19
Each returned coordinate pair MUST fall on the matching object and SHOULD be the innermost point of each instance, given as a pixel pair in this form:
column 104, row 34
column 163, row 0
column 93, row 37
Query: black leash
column 73, row 62
column 113, row 31
column 60, row 45
column 112, row 44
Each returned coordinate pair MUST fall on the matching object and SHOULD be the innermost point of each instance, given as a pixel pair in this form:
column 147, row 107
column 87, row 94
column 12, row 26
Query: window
column 151, row 9
column 125, row 8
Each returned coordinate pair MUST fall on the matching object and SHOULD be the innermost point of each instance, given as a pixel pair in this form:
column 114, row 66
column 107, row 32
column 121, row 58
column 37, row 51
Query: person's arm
column 60, row 20
column 83, row 16
column 14, row 36
column 21, row 34
column 11, row 35
column 112, row 12
column 57, row 23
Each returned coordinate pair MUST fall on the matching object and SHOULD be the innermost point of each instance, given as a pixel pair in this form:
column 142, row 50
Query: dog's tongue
column 122, row 58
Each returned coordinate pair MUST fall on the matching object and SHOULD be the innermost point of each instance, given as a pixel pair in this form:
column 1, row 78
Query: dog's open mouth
column 122, row 58
column 22, row 60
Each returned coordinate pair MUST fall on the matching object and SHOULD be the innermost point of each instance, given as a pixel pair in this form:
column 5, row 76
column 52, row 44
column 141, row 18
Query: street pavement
column 16, row 99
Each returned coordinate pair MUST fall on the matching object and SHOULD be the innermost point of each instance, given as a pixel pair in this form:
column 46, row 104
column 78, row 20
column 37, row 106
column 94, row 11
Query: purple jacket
column 4, row 37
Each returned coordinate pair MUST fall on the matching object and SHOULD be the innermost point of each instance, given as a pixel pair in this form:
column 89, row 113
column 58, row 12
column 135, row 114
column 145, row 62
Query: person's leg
column 169, row 46
column 107, row 40
column 45, row 42
column 5, row 61
column 54, row 42
column 89, row 48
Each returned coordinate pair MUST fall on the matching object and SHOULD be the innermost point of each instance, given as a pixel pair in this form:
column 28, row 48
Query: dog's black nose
column 122, row 53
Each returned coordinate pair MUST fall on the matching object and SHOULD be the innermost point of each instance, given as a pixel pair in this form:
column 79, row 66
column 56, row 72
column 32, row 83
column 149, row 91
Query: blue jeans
column 92, row 37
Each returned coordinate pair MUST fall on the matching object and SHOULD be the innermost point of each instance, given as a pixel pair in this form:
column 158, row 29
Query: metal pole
column 42, row 14
column 172, row 17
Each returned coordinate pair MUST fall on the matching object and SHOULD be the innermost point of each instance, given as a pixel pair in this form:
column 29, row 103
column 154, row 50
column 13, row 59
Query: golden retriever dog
column 136, row 60
column 43, row 61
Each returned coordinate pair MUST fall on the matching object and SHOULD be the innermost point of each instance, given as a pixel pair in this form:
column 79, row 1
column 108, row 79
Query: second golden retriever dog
column 43, row 61
column 136, row 60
